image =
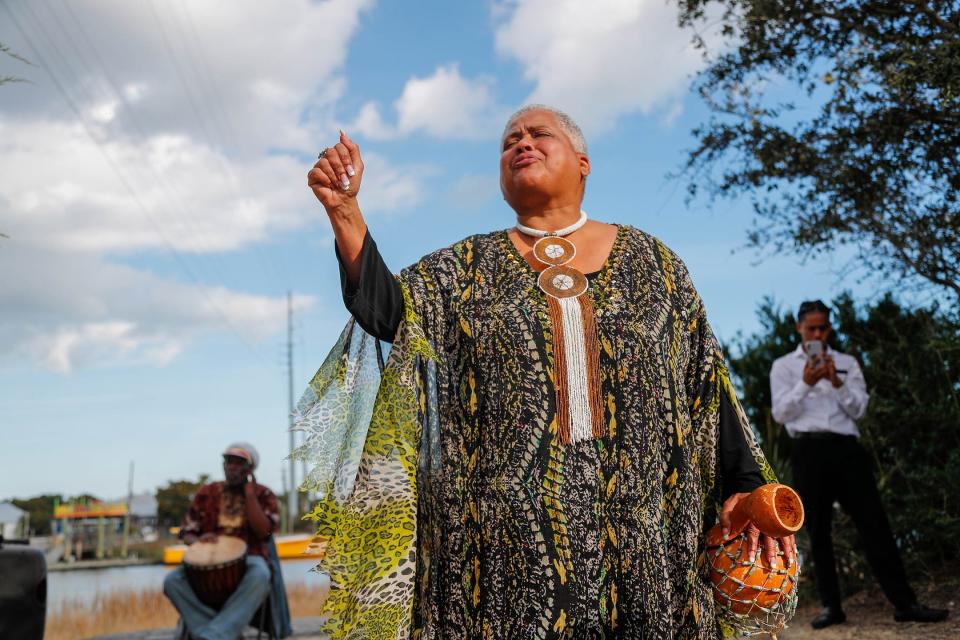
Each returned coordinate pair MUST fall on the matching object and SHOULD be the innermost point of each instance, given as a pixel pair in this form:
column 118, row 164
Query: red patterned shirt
column 219, row 509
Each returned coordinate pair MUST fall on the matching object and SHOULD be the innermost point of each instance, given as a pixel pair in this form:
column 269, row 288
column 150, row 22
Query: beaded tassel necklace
column 576, row 345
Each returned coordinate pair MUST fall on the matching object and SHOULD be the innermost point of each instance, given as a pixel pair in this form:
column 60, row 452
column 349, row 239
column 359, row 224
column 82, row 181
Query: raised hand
column 335, row 178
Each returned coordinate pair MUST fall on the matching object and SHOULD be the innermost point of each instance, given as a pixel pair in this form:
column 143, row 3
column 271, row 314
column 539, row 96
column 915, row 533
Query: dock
column 107, row 563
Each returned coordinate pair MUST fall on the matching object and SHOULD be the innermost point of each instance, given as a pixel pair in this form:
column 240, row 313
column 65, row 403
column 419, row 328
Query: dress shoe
column 827, row 617
column 920, row 613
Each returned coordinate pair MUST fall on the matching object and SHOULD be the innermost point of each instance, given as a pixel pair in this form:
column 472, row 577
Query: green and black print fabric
column 467, row 518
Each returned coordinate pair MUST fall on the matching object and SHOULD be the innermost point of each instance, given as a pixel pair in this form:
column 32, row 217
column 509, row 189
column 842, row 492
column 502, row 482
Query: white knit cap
column 244, row 450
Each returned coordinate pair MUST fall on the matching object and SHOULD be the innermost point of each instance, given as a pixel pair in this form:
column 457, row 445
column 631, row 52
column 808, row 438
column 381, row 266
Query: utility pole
column 126, row 518
column 292, row 510
column 284, row 520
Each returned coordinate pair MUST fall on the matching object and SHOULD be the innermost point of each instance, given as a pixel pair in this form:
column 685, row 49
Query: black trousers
column 835, row 468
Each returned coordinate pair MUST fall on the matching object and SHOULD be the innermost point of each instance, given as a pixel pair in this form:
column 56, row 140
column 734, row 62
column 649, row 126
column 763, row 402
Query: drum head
column 225, row 549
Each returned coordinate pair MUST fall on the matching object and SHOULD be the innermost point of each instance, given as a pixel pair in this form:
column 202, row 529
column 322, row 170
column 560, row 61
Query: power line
column 213, row 83
column 201, row 68
column 198, row 115
column 186, row 220
column 233, row 183
column 292, row 496
column 131, row 192
column 79, row 57
column 221, row 119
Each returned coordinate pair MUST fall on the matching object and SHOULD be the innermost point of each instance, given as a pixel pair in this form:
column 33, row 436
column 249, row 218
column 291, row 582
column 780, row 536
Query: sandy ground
column 870, row 617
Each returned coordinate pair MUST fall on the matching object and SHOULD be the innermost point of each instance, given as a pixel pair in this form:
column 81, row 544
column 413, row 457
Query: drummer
column 238, row 507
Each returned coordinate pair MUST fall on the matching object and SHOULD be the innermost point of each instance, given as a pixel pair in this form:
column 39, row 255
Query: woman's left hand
column 755, row 539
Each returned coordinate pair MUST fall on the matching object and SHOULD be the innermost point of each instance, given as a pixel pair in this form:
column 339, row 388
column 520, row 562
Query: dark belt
column 822, row 435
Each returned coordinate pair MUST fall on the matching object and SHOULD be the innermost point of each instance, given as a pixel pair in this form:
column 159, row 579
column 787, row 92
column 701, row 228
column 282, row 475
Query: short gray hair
column 566, row 123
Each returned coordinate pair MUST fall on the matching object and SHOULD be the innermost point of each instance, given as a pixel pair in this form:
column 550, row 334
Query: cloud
column 444, row 105
column 371, row 124
column 65, row 347
column 70, row 306
column 66, row 310
column 599, row 60
column 220, row 77
column 388, row 189
column 75, row 199
column 187, row 131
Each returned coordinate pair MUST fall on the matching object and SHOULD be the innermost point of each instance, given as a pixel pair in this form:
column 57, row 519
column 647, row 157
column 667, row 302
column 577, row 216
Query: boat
column 293, row 546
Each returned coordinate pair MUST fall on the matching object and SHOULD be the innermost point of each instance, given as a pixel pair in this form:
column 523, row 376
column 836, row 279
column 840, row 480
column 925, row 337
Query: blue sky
column 158, row 214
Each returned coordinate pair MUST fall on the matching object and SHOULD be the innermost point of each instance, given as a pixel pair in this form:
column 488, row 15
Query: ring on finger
column 322, row 154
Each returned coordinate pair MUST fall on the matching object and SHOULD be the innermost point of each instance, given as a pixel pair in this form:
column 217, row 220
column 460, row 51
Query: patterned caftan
column 450, row 506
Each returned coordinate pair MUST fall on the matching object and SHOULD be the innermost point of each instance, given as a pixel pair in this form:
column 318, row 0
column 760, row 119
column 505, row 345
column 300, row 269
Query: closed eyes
column 512, row 139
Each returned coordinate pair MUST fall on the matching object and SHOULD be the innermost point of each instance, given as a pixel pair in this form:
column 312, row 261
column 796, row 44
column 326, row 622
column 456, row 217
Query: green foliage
column 869, row 157
column 9, row 52
column 911, row 361
column 174, row 499
column 40, row 509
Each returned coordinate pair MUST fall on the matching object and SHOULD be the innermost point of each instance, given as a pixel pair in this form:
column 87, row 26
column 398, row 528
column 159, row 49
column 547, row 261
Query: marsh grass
column 128, row 611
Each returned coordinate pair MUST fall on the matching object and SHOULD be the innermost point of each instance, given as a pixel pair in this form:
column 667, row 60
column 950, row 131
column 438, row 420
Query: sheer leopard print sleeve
column 362, row 436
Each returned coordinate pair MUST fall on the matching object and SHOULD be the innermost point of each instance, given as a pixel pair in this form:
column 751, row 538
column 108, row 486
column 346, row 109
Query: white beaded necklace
column 539, row 233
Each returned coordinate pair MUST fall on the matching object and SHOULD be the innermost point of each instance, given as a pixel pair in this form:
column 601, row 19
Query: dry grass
column 306, row 602
column 127, row 611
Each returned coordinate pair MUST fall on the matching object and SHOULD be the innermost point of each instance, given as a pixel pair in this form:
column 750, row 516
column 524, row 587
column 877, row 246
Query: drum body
column 215, row 569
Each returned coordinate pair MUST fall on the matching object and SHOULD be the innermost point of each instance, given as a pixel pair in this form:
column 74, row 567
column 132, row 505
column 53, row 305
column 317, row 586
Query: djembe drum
column 756, row 597
column 215, row 569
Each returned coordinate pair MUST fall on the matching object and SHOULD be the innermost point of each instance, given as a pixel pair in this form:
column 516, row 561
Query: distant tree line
column 173, row 500
column 40, row 509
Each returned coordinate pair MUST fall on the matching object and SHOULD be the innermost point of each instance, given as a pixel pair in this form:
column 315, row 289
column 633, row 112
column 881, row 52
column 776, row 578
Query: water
column 83, row 585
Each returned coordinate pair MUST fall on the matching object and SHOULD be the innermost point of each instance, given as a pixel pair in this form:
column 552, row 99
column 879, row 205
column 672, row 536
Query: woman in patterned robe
column 450, row 508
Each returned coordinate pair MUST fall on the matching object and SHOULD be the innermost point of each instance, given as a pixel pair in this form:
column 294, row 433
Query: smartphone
column 813, row 349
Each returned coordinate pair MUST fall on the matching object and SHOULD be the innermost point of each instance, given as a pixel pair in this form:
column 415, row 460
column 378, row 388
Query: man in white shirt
column 819, row 394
